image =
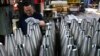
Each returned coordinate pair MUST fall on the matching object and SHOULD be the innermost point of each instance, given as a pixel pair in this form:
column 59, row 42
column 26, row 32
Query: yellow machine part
column 73, row 1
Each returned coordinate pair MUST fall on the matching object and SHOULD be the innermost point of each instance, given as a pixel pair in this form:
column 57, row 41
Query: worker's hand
column 32, row 20
column 42, row 23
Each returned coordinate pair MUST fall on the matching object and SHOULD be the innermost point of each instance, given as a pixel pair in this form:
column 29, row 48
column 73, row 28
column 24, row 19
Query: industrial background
column 72, row 28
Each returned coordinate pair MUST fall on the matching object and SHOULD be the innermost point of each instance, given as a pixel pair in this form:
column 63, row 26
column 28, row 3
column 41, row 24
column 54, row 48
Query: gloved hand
column 32, row 20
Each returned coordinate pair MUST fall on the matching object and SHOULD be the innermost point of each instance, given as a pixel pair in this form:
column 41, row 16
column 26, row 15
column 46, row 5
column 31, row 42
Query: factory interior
column 49, row 27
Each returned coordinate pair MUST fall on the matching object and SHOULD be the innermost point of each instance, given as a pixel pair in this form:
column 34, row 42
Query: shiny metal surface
column 17, row 44
column 48, row 43
column 76, row 39
column 86, row 37
column 2, row 50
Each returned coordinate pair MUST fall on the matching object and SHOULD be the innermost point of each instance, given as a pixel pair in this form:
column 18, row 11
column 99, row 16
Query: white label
column 74, row 9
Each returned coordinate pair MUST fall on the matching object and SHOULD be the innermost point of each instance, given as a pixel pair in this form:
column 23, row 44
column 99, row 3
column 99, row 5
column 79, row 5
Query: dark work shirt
column 23, row 24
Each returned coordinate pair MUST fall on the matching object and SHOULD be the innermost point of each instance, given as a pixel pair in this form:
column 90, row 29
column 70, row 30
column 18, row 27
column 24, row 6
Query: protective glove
column 32, row 20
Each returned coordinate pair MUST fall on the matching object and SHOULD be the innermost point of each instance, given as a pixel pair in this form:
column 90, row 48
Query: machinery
column 99, row 7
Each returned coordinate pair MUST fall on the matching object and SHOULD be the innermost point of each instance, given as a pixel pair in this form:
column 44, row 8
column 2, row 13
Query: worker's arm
column 36, row 19
column 42, row 22
column 33, row 20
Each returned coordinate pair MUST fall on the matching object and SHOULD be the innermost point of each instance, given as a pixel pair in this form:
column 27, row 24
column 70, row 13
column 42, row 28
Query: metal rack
column 48, row 43
column 76, row 39
column 79, row 39
column 17, row 44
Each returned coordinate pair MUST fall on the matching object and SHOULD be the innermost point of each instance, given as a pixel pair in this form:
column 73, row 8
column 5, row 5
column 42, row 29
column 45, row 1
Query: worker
column 29, row 11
